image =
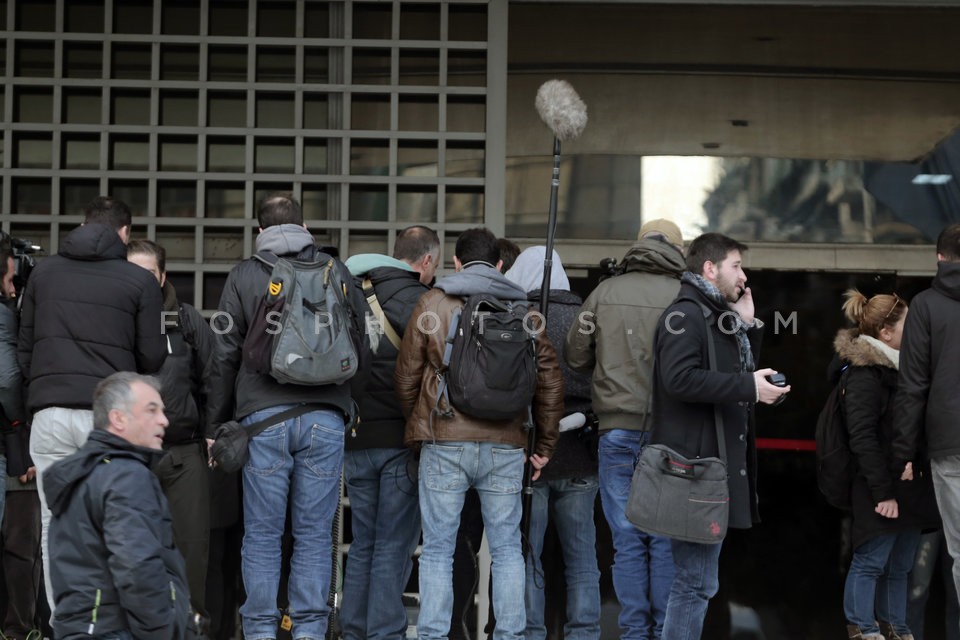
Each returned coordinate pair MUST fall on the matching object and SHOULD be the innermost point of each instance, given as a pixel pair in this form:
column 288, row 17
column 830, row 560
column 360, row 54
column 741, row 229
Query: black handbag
column 16, row 441
column 230, row 449
column 679, row 497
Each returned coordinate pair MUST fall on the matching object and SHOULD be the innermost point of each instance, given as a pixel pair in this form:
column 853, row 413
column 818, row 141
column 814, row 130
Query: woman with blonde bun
column 888, row 514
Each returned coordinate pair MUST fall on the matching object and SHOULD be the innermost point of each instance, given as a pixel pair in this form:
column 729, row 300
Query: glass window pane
column 273, row 155
column 316, row 154
column 130, row 107
column 369, row 157
column 80, row 151
column 226, row 154
column 212, row 289
column 81, row 106
column 223, row 246
column 227, row 64
column 417, row 158
column 36, row 15
column 275, row 110
column 420, row 113
column 276, row 64
column 371, row 66
column 225, row 200
column 34, row 59
column 467, row 22
column 368, row 242
column 76, row 194
column 83, row 16
column 183, row 284
column 371, row 112
column 420, row 66
column 33, row 105
column 130, row 61
column 132, row 192
column 228, row 17
column 316, row 18
column 82, row 60
column 316, row 64
column 416, row 204
column 465, row 205
column 368, row 202
column 180, row 18
column 179, row 62
column 133, row 16
column 277, row 19
column 179, row 244
column 178, row 154
column 466, row 113
column 315, row 111
column 420, row 21
column 177, row 199
column 227, row 109
column 465, row 160
column 178, row 109
column 316, row 203
column 33, row 151
column 466, row 68
column 129, row 153
column 372, row 20
column 31, row 195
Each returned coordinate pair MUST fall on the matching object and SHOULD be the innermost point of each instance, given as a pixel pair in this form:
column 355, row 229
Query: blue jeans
column 300, row 459
column 642, row 564
column 932, row 562
column 572, row 511
column 876, row 586
column 385, row 519
column 696, row 582
column 447, row 470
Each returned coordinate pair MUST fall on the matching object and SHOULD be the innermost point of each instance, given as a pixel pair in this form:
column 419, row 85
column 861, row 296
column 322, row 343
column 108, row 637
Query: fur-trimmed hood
column 857, row 350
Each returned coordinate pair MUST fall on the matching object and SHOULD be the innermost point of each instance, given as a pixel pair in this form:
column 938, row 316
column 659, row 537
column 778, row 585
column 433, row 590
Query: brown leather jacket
column 421, row 355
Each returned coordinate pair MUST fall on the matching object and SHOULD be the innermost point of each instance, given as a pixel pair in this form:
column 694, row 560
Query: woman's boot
column 853, row 632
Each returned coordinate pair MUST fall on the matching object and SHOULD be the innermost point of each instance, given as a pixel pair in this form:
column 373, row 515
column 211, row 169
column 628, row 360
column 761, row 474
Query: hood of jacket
column 93, row 242
column 947, row 280
column 61, row 479
column 480, row 278
column 654, row 256
column 363, row 263
column 284, row 239
column 853, row 348
column 527, row 270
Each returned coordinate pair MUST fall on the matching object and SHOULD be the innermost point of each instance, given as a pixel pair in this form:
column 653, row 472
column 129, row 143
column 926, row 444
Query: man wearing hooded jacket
column 378, row 470
column 298, row 460
column 927, row 406
column 86, row 314
column 458, row 451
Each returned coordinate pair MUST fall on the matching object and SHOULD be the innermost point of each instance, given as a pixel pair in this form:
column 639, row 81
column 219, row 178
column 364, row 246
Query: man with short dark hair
column 927, row 407
column 459, row 451
column 714, row 305
column 115, row 570
column 86, row 313
column 378, row 470
column 298, row 460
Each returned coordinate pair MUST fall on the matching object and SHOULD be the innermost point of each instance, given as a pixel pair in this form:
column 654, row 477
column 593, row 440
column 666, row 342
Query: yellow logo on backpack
column 276, row 286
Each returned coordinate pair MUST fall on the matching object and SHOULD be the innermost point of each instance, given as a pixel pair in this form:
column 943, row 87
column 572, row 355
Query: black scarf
column 713, row 294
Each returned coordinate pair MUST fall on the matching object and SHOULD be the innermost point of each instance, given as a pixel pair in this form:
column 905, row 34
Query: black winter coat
column 869, row 386
column 190, row 347
column 685, row 390
column 381, row 421
column 113, row 562
column 575, row 455
column 87, row 313
column 928, row 404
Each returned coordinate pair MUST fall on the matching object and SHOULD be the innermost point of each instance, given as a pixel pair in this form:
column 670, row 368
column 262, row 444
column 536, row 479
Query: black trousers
column 22, row 568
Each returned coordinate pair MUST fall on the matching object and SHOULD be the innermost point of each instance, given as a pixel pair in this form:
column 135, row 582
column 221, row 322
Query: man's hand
column 888, row 509
column 744, row 307
column 538, row 462
column 907, row 472
column 210, row 461
column 768, row 393
column 29, row 475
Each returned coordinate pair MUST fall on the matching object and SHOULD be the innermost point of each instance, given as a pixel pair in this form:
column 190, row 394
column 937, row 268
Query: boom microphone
column 561, row 109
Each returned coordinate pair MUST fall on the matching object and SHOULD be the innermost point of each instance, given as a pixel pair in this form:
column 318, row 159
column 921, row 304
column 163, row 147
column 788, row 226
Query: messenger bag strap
column 370, row 293
column 712, row 355
column 277, row 418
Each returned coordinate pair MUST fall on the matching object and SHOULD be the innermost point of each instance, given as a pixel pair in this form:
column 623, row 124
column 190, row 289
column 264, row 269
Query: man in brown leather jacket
column 461, row 451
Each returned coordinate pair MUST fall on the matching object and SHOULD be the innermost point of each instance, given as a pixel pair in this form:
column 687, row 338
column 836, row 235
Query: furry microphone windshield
column 561, row 109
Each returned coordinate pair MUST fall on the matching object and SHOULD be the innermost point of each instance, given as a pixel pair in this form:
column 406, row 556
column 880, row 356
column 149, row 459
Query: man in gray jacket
column 613, row 339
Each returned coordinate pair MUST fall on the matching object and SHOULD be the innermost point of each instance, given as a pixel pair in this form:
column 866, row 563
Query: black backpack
column 836, row 466
column 489, row 361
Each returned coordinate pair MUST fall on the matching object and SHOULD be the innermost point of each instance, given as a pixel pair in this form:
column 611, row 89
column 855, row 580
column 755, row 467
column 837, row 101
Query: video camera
column 609, row 268
column 23, row 261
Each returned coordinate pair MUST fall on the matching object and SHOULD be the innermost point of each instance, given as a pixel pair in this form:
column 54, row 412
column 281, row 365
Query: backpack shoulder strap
column 712, row 356
column 388, row 330
column 268, row 258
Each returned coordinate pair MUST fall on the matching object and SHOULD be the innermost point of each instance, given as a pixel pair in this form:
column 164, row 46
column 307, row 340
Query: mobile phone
column 743, row 290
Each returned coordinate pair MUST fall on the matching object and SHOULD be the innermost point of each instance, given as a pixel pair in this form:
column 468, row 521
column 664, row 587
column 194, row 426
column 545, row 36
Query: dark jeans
column 22, row 567
column 183, row 476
